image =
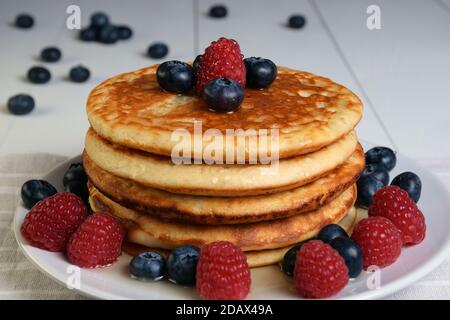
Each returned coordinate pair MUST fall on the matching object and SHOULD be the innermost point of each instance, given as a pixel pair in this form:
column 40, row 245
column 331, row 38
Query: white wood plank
column 259, row 27
column 59, row 122
column 404, row 67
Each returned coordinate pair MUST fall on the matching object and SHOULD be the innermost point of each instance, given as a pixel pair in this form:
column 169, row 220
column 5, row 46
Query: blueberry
column 351, row 253
column 39, row 75
column 218, row 11
column 78, row 188
column 79, row 74
column 89, row 34
column 158, row 50
column 296, row 21
column 108, row 34
column 34, row 191
column 260, row 72
column 196, row 63
column 148, row 266
column 330, row 232
column 289, row 259
column 378, row 171
column 383, row 156
column 125, row 32
column 99, row 19
column 175, row 76
column 21, row 104
column 51, row 54
column 410, row 182
column 24, row 21
column 223, row 95
column 75, row 173
column 182, row 265
column 367, row 187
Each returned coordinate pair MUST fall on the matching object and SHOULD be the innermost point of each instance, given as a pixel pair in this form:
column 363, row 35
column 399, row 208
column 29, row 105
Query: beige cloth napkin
column 19, row 279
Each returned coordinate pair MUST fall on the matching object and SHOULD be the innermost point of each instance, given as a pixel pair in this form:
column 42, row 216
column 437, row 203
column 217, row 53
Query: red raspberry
column 222, row 272
column 97, row 242
column 395, row 204
column 51, row 222
column 222, row 59
column 379, row 240
column 319, row 271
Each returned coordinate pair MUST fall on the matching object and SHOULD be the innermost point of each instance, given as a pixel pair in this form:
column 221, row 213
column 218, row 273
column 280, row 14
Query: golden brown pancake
column 142, row 242
column 309, row 111
column 226, row 210
column 253, row 236
column 217, row 180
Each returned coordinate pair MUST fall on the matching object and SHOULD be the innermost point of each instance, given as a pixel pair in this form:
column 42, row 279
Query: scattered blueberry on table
column 260, row 73
column 51, row 54
column 88, row 34
column 99, row 19
column 108, row 34
column 34, row 191
column 79, row 74
column 182, row 265
column 218, row 11
column 296, row 21
column 331, row 232
column 21, row 104
column 24, row 21
column 382, row 156
column 103, row 31
column 157, row 50
column 288, row 263
column 125, row 32
column 410, row 182
column 148, row 266
column 351, row 253
column 175, row 76
column 223, row 95
column 39, row 75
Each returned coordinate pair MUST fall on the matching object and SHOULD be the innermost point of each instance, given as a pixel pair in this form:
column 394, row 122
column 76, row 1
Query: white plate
column 269, row 282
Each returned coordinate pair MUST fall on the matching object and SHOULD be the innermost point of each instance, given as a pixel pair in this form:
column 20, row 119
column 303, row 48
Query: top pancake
column 309, row 111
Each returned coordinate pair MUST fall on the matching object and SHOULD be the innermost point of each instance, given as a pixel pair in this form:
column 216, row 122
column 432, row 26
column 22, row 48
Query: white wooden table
column 401, row 71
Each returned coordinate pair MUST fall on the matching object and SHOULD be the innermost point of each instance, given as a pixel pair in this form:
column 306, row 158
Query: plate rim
column 386, row 290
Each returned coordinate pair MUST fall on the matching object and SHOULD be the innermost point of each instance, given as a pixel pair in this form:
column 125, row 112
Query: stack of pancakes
column 134, row 174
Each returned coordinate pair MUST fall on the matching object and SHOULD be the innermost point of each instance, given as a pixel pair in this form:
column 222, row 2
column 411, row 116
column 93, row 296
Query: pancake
column 309, row 111
column 253, row 236
column 226, row 210
column 142, row 242
column 217, row 180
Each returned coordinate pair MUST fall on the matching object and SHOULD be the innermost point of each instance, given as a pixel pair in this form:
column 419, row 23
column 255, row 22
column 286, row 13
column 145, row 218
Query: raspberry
column 222, row 272
column 379, row 240
column 319, row 271
column 222, row 59
column 51, row 222
column 97, row 242
column 395, row 204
